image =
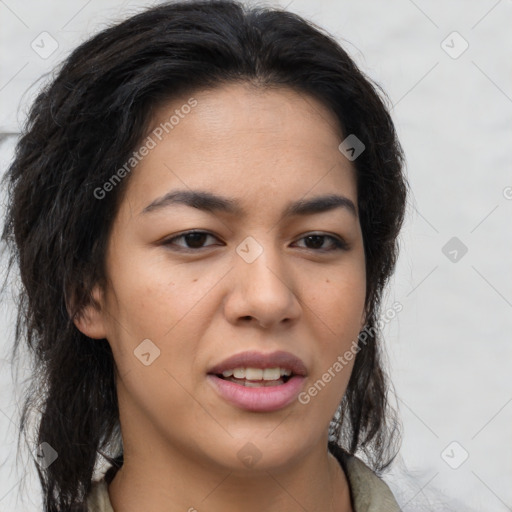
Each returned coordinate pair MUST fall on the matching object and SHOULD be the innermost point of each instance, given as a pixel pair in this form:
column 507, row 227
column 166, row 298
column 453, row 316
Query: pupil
column 195, row 239
column 317, row 238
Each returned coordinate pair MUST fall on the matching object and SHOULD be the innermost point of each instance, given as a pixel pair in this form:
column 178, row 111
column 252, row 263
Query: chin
column 250, row 453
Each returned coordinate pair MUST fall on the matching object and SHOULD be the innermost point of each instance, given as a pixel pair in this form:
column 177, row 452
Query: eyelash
column 339, row 243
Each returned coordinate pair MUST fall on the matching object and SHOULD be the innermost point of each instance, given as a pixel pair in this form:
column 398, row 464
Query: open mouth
column 258, row 382
column 262, row 390
column 257, row 377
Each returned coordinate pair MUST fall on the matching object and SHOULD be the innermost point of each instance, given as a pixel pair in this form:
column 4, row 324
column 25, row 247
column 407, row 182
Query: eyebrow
column 206, row 201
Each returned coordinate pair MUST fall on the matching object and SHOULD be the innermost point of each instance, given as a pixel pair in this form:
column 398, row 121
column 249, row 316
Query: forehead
column 243, row 141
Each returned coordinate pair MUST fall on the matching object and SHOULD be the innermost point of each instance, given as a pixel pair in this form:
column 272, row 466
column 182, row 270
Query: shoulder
column 369, row 492
column 98, row 499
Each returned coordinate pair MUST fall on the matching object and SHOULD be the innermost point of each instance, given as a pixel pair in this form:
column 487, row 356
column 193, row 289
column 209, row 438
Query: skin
column 266, row 148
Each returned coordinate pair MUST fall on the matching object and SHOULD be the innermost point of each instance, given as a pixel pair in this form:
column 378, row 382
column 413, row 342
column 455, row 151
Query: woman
column 204, row 207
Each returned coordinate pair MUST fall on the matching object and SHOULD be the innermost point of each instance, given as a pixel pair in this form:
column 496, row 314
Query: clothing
column 369, row 493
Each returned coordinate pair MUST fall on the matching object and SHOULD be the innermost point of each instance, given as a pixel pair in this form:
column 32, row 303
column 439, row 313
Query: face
column 273, row 275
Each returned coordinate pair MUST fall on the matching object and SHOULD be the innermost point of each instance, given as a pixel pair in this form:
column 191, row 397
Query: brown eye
column 316, row 241
column 193, row 240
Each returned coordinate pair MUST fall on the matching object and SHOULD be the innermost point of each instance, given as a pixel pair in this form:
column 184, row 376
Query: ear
column 90, row 320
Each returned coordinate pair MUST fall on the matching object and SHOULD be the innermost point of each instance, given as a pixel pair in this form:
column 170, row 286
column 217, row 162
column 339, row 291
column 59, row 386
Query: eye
column 315, row 242
column 193, row 240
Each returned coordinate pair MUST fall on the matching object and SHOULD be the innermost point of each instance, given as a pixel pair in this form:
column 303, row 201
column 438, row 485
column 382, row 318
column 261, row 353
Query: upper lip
column 253, row 359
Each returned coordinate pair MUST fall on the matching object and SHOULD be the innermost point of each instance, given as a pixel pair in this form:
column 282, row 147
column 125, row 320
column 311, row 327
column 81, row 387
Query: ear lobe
column 90, row 319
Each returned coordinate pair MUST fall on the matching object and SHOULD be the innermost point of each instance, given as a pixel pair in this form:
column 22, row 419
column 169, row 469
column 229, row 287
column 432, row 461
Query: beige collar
column 369, row 492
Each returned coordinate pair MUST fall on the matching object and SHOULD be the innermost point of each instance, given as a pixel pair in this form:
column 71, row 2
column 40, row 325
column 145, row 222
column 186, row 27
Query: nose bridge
column 260, row 263
column 262, row 287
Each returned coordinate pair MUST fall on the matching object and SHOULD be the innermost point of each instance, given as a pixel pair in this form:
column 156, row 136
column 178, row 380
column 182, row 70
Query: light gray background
column 450, row 349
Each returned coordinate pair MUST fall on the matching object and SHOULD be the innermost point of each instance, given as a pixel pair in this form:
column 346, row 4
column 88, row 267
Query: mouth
column 259, row 382
column 257, row 377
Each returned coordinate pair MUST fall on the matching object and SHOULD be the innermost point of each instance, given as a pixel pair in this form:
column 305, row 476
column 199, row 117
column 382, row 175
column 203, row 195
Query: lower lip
column 263, row 399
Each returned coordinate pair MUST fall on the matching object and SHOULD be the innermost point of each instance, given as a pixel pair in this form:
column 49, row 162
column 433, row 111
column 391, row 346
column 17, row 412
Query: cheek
column 172, row 310
column 338, row 303
column 337, row 309
column 338, row 319
column 153, row 396
column 153, row 298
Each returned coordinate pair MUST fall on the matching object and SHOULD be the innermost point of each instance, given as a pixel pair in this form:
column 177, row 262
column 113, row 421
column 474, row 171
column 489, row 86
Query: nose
column 262, row 291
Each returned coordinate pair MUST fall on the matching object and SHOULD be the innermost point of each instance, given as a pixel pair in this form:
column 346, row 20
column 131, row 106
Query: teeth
column 258, row 384
column 257, row 374
column 249, row 384
column 239, row 373
column 253, row 373
column 271, row 374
